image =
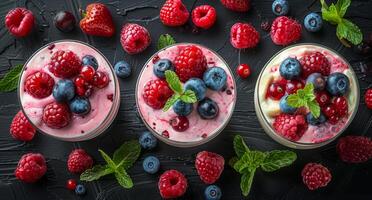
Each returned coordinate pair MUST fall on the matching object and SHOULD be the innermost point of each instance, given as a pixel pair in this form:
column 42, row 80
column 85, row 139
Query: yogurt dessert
column 199, row 70
column 68, row 90
column 306, row 96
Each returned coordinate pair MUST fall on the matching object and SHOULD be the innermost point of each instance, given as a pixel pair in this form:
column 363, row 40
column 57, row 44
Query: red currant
column 323, row 98
column 179, row 123
column 100, row 79
column 275, row 91
column 293, row 85
column 87, row 72
column 341, row 106
column 243, row 70
column 71, row 184
column 331, row 113
column 80, row 90
column 79, row 81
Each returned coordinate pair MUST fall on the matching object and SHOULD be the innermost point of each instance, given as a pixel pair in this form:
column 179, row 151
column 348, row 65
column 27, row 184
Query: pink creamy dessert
column 200, row 130
column 269, row 107
column 101, row 100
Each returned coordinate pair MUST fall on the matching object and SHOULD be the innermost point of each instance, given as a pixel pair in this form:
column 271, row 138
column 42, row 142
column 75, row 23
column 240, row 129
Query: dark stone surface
column 349, row 181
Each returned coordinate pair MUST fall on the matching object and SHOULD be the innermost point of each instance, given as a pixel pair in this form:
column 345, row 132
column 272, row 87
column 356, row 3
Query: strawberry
column 97, row 21
column 209, row 166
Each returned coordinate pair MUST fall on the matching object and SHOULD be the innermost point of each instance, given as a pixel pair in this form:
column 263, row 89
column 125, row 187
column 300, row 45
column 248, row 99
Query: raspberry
column 21, row 128
column 341, row 106
column 39, row 84
column 237, row 5
column 204, row 16
column 243, row 35
column 331, row 113
column 134, row 38
column 209, row 166
column 79, row 161
column 314, row 62
column 285, row 30
column 190, row 63
column 31, row 167
column 291, row 127
column 368, row 98
column 323, row 98
column 174, row 13
column 156, row 93
column 172, row 184
column 354, row 149
column 56, row 115
column 315, row 175
column 19, row 22
column 64, row 64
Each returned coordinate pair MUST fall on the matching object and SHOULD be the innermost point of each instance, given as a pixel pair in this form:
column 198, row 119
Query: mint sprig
column 10, row 80
column 305, row 98
column 165, row 40
column 123, row 158
column 345, row 29
column 175, row 84
column 247, row 162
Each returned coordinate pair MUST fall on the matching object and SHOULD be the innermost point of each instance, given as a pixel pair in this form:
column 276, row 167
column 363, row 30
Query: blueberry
column 313, row 22
column 80, row 189
column 337, row 84
column 317, row 80
column 280, row 7
column 208, row 109
column 290, row 68
column 90, row 60
column 284, row 107
column 147, row 140
column 161, row 66
column 151, row 164
column 80, row 106
column 122, row 69
column 198, row 86
column 315, row 121
column 181, row 108
column 64, row 90
column 215, row 78
column 212, row 192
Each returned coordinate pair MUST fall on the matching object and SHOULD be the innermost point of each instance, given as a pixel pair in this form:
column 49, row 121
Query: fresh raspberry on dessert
column 290, row 126
column 244, row 35
column 79, row 161
column 174, row 13
column 156, row 93
column 100, row 79
column 209, row 166
column 31, row 167
column 134, row 38
column 354, row 149
column 237, row 5
column 285, row 30
column 64, row 64
column 190, row 63
column 314, row 62
column 368, row 98
column 172, row 184
column 341, row 106
column 56, row 115
column 21, row 128
column 315, row 175
column 97, row 21
column 330, row 112
column 204, row 16
column 323, row 98
column 39, row 85
column 19, row 22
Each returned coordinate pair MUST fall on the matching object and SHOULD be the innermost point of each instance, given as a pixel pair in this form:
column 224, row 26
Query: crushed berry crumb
column 110, row 97
column 165, row 134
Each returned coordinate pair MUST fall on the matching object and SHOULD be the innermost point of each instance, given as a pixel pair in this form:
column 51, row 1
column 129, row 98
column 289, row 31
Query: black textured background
column 348, row 182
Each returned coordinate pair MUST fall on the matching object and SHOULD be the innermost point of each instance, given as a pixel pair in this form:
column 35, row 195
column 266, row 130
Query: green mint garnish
column 175, row 84
column 123, row 158
column 305, row 98
column 10, row 80
column 345, row 28
column 165, row 40
column 246, row 162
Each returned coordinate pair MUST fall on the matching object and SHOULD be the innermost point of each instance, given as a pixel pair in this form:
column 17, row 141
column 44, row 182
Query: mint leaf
column 189, row 97
column 330, row 13
column 127, row 154
column 170, row 102
column 107, row 158
column 277, row 159
column 123, row 178
column 349, row 31
column 314, row 108
column 232, row 161
column 250, row 160
column 295, row 101
column 96, row 172
column 246, row 182
column 10, row 80
column 239, row 146
column 342, row 6
column 305, row 98
column 173, row 81
column 165, row 40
